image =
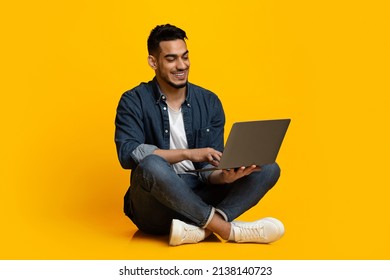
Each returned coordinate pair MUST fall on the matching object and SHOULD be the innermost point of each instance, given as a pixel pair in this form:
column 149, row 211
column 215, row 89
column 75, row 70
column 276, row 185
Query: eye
column 170, row 58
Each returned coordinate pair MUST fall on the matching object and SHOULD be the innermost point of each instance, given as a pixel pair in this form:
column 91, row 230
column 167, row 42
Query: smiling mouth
column 180, row 75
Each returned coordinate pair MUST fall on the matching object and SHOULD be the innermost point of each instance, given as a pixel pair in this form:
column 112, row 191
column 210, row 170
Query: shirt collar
column 159, row 95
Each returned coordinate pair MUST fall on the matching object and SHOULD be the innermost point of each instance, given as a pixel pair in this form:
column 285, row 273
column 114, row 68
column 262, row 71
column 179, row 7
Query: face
column 172, row 63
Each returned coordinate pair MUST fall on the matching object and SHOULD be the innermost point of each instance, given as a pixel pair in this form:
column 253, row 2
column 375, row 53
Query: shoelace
column 192, row 234
column 252, row 232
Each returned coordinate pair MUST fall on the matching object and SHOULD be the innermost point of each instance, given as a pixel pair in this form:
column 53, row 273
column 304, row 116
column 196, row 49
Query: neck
column 174, row 95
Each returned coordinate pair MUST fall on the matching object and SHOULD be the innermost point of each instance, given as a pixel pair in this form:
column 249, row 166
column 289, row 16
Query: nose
column 181, row 64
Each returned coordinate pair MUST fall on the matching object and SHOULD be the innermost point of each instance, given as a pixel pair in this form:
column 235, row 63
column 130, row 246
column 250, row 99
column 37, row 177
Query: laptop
column 252, row 143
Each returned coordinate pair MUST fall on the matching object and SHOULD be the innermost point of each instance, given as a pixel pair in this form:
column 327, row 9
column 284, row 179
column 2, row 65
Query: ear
column 152, row 62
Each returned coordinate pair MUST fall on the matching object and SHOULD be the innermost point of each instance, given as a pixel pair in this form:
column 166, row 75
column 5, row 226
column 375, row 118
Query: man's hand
column 229, row 176
column 205, row 155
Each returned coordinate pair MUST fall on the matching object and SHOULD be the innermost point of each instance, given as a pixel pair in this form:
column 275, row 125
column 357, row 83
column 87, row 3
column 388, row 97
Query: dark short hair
column 166, row 32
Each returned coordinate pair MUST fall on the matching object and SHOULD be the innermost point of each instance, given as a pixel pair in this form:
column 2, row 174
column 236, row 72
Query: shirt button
column 165, row 108
column 208, row 130
column 166, row 130
column 163, row 97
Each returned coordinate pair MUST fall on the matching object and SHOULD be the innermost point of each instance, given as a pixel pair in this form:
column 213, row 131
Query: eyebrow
column 175, row 55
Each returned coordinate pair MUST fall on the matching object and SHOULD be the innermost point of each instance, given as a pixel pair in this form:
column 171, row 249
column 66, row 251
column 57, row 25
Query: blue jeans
column 157, row 195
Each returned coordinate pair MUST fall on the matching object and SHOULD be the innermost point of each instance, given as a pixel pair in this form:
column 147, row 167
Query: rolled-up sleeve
column 204, row 175
column 142, row 151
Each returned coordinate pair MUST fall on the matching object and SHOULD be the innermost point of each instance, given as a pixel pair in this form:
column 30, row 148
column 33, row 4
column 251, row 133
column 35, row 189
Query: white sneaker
column 265, row 230
column 182, row 233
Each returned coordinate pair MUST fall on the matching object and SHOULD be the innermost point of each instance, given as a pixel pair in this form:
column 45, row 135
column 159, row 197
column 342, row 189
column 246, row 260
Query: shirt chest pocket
column 203, row 137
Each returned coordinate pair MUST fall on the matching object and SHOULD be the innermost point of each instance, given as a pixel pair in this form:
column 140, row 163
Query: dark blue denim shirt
column 142, row 123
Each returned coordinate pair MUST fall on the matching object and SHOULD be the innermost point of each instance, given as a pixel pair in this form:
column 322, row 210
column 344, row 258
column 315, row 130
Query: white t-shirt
column 178, row 139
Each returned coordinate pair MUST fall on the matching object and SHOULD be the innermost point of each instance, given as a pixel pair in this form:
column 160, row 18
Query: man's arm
column 129, row 132
column 195, row 155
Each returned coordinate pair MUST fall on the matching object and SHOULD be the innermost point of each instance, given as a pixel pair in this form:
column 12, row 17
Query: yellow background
column 324, row 64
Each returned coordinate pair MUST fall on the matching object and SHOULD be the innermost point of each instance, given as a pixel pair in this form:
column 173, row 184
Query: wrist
column 217, row 177
column 187, row 154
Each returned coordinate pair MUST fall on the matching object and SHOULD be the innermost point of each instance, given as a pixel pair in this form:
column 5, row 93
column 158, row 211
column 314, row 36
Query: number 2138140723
column 248, row 270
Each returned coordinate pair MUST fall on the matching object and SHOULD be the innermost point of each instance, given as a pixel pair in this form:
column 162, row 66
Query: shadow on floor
column 140, row 236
